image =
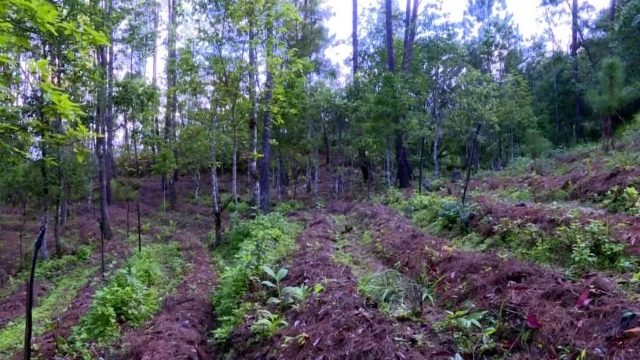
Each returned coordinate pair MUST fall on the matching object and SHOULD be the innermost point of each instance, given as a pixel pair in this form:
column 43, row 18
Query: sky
column 525, row 14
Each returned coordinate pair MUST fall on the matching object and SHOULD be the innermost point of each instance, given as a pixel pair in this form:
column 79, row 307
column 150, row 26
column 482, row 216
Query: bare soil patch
column 13, row 306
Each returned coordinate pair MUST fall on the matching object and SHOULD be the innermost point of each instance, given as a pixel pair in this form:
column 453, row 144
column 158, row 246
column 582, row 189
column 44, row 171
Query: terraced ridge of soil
column 625, row 228
column 13, row 306
column 335, row 325
column 47, row 344
column 580, row 183
column 180, row 330
column 518, row 288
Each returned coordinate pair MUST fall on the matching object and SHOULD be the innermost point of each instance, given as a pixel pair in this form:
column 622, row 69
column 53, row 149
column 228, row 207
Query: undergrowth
column 50, row 307
column 51, row 270
column 433, row 212
column 250, row 245
column 580, row 247
column 132, row 295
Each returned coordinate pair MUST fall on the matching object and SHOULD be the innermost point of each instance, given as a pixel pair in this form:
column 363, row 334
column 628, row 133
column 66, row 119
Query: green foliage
column 580, row 247
column 268, row 324
column 626, row 201
column 622, row 159
column 434, row 212
column 132, row 295
column 250, row 246
column 285, row 207
column 392, row 292
column 283, row 299
column 54, row 269
column 46, row 312
column 469, row 332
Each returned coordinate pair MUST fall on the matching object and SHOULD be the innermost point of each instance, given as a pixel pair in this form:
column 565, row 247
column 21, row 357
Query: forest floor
column 541, row 265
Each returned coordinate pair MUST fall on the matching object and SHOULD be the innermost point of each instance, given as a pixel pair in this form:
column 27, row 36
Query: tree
column 170, row 113
column 609, row 96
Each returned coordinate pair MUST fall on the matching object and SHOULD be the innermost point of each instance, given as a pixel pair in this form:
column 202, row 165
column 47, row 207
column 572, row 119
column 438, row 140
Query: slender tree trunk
column 253, row 120
column 391, row 58
column 234, row 160
column 22, row 228
column 109, row 125
column 436, row 151
column 154, row 80
column 315, row 177
column 171, row 97
column 354, row 37
column 56, row 230
column 214, row 188
column 574, row 57
column 101, row 149
column 266, row 131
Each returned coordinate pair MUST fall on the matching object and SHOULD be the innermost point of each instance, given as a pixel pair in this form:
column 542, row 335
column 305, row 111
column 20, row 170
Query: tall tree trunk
column 402, row 154
column 109, row 125
column 253, row 120
column 154, row 80
column 56, row 230
column 267, row 123
column 436, row 151
column 169, row 126
column 354, row 35
column 574, row 58
column 101, row 149
column 234, row 159
column 266, row 142
column 391, row 58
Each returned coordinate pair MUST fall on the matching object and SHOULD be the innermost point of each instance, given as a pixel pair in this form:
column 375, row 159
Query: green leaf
column 268, row 283
column 269, row 271
column 281, row 274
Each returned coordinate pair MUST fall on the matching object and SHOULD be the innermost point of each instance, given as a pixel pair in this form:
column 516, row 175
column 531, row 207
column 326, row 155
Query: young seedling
column 281, row 300
column 268, row 324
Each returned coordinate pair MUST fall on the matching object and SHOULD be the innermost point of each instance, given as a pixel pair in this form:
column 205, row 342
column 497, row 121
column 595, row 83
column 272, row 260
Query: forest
column 200, row 179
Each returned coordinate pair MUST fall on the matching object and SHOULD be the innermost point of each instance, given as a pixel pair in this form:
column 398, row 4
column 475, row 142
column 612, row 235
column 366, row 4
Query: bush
column 253, row 244
column 286, row 207
column 434, row 212
column 622, row 201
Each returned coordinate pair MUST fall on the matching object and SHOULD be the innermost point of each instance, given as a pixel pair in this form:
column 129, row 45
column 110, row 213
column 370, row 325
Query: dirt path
column 180, row 330
column 510, row 290
column 335, row 325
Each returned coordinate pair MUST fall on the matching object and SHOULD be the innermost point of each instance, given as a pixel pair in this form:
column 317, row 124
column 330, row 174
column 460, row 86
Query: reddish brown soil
column 46, row 343
column 625, row 228
column 180, row 330
column 13, row 306
column 518, row 288
column 335, row 325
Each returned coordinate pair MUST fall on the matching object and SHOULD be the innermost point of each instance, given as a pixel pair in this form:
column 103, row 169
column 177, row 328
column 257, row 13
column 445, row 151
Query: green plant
column 302, row 292
column 622, row 159
column 624, row 201
column 286, row 207
column 132, row 295
column 268, row 324
column 282, row 299
column 251, row 245
column 392, row 292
